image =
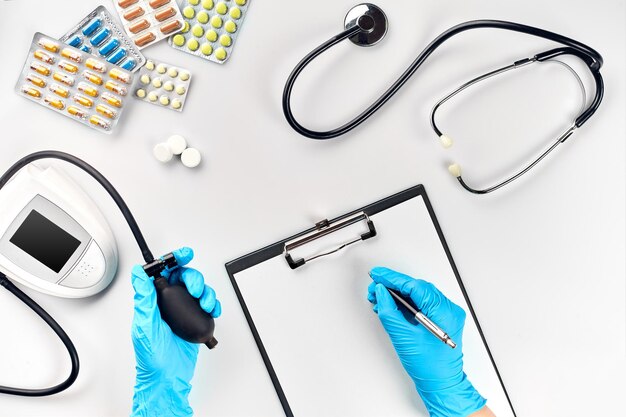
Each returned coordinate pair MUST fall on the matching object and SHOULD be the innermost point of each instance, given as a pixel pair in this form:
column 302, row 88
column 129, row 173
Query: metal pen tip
column 450, row 343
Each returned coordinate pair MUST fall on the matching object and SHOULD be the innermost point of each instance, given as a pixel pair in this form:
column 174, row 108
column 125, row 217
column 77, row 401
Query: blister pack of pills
column 99, row 34
column 163, row 84
column 149, row 21
column 211, row 27
column 74, row 83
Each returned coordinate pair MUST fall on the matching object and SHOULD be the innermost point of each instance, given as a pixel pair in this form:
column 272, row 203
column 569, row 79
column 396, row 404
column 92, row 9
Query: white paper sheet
column 329, row 350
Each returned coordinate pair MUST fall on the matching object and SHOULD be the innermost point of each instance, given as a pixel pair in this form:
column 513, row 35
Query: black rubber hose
column 7, row 284
column 27, row 392
column 143, row 246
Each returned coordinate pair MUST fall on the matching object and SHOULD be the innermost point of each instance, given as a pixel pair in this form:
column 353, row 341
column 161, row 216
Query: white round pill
column 162, row 152
column 177, row 144
column 191, row 157
column 152, row 96
column 161, row 69
column 176, row 104
column 172, row 72
column 184, row 76
column 168, row 86
column 180, row 90
column 157, row 83
column 150, row 65
column 145, row 79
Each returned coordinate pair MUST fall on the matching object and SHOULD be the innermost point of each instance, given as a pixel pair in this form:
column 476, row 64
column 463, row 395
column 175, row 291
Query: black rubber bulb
column 179, row 309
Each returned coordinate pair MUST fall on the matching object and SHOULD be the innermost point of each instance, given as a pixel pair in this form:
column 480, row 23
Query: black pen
column 423, row 320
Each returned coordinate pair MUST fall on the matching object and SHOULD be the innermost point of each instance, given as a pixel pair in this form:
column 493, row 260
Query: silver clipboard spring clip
column 325, row 228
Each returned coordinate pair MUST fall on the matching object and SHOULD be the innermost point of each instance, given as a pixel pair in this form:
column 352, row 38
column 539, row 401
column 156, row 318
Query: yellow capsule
column 95, row 65
column 54, row 102
column 95, row 120
column 48, row 45
column 71, row 55
column 90, row 76
column 60, row 91
column 42, row 69
column 33, row 92
column 42, row 56
column 68, row 67
column 83, row 101
column 112, row 100
column 106, row 111
column 75, row 111
column 116, row 88
column 87, row 89
column 35, row 80
column 63, row 78
column 119, row 75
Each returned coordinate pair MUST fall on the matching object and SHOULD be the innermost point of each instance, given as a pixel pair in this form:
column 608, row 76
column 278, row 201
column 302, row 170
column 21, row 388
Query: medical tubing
column 520, row 173
column 26, row 392
column 143, row 246
column 6, row 283
column 594, row 57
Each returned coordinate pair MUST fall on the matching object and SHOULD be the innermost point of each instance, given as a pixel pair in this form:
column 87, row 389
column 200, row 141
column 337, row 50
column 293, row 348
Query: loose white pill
column 177, row 144
column 191, row 157
column 162, row 152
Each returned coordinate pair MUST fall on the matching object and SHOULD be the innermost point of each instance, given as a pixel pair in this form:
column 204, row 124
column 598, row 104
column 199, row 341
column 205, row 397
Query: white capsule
column 177, row 144
column 446, row 142
column 191, row 157
column 162, row 152
column 455, row 169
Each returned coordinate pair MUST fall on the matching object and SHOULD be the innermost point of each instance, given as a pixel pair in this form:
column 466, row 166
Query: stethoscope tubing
column 591, row 57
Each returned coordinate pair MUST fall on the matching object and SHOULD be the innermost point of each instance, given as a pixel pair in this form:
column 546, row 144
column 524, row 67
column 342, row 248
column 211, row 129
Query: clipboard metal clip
column 325, row 228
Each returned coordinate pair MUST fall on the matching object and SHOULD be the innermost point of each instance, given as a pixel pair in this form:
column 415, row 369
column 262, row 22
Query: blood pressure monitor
column 53, row 238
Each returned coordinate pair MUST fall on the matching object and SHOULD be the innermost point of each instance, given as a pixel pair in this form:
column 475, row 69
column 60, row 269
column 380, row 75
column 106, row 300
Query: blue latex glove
column 165, row 362
column 436, row 369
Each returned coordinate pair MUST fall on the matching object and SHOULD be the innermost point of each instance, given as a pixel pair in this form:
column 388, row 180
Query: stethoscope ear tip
column 446, row 142
column 455, row 169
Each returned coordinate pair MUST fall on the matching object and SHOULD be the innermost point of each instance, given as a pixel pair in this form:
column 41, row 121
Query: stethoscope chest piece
column 372, row 21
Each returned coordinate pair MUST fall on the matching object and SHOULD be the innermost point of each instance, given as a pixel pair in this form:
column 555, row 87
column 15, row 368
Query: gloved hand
column 165, row 362
column 436, row 369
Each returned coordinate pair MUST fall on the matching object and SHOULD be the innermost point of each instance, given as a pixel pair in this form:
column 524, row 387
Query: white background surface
column 543, row 259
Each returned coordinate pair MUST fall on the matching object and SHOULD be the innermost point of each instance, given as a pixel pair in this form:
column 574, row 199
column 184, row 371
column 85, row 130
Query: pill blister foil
column 108, row 21
column 149, row 21
column 205, row 39
column 147, row 89
column 74, row 83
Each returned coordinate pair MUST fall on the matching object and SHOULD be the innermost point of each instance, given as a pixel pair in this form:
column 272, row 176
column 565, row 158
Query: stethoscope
column 366, row 25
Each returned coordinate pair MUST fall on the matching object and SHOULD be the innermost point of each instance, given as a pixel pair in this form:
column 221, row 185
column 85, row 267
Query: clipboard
column 295, row 358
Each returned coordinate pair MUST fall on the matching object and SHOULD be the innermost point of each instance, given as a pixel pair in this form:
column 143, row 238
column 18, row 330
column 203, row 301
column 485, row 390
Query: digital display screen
column 45, row 241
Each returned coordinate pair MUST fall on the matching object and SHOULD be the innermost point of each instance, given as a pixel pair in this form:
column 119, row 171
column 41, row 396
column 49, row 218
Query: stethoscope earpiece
column 371, row 21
